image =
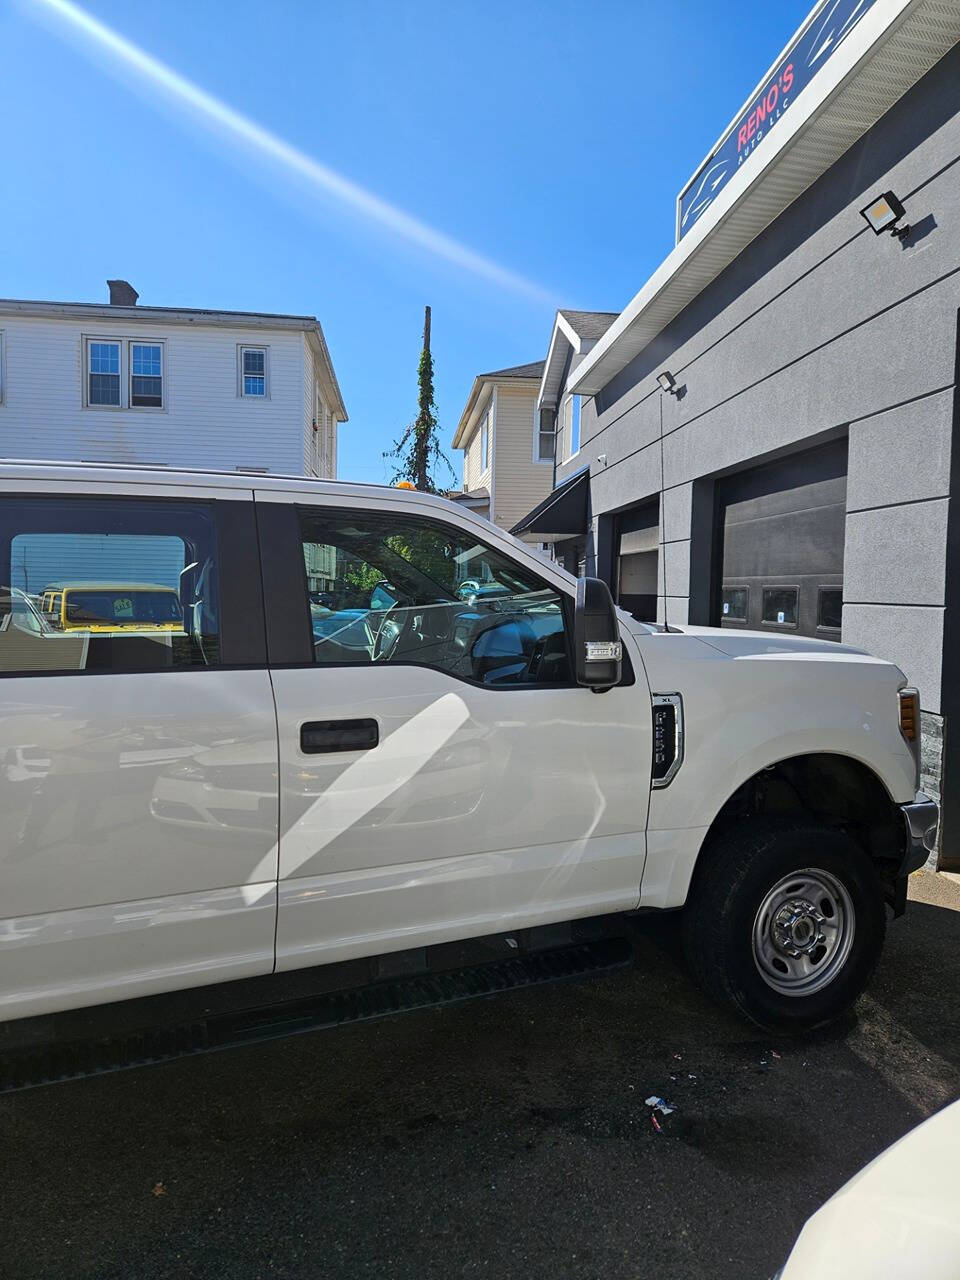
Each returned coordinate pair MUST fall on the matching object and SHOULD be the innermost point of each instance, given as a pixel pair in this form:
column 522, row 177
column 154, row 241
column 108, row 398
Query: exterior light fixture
column 667, row 382
column 883, row 214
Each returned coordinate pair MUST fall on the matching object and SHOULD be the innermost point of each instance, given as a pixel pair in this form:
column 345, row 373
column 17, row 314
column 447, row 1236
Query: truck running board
column 59, row 1062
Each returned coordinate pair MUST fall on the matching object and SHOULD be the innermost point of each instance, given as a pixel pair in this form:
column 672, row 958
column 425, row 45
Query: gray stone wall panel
column 896, row 555
column 910, row 637
column 902, row 455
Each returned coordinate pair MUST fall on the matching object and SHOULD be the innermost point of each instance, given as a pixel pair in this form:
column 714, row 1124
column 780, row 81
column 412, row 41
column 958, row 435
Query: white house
column 117, row 382
column 507, row 461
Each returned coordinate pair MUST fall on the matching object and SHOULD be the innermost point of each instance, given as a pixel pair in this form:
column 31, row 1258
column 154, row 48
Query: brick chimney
column 122, row 294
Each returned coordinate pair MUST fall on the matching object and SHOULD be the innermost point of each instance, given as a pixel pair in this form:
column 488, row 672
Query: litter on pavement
column 658, row 1104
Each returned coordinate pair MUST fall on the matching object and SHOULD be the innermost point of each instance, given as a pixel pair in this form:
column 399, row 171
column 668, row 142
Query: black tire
column 735, row 874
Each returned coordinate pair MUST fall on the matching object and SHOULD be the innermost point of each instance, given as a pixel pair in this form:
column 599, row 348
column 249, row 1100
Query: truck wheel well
column 830, row 789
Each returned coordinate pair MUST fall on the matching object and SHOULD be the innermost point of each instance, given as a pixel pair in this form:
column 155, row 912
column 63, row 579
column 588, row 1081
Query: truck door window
column 105, row 584
column 404, row 589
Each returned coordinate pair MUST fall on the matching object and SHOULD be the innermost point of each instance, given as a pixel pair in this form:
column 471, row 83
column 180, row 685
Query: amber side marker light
column 910, row 714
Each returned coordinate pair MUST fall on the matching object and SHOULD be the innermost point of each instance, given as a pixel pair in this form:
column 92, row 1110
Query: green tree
column 417, row 453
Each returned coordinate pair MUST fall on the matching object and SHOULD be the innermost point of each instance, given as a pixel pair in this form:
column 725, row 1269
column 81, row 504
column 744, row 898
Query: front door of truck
column 441, row 774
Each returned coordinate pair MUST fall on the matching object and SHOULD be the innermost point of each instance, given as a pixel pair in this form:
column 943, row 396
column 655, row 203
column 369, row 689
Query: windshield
column 122, row 607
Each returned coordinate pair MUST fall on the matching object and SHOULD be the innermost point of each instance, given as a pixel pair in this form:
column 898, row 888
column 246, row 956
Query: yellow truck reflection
column 111, row 607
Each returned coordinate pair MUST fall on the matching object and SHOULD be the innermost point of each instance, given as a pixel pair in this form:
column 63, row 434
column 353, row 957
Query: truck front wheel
column 785, row 921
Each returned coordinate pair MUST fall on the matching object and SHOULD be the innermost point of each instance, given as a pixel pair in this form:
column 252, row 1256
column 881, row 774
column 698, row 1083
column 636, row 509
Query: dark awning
column 564, row 511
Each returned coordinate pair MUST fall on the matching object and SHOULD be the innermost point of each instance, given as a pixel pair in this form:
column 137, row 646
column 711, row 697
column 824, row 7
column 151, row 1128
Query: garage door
column 638, row 536
column 782, row 529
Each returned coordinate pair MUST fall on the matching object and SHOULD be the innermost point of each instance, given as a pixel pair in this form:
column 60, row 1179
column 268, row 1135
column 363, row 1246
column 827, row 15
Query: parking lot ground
column 502, row 1137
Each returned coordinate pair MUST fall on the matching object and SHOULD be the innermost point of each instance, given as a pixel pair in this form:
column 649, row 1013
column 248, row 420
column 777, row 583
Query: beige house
column 507, row 460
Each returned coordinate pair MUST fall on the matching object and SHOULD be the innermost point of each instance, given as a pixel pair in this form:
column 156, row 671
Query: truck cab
column 277, row 780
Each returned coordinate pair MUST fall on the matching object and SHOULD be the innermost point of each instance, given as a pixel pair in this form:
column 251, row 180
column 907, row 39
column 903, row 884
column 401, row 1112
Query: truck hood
column 738, row 643
column 748, row 644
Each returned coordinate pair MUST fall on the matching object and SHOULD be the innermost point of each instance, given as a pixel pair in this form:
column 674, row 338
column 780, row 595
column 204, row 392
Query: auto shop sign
column 811, row 49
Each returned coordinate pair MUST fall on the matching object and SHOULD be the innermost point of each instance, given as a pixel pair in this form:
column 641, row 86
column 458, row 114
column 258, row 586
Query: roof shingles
column 589, row 324
column 532, row 370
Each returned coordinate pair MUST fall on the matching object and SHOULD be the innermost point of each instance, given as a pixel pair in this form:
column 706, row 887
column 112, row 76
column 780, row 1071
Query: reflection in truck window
column 119, row 584
column 97, row 606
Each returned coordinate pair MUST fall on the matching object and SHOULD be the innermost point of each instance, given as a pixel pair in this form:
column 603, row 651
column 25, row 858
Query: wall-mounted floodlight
column 667, row 382
column 884, row 213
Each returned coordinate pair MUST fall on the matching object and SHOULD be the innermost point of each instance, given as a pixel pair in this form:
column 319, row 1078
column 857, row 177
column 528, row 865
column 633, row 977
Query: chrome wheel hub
column 803, row 932
column 797, row 928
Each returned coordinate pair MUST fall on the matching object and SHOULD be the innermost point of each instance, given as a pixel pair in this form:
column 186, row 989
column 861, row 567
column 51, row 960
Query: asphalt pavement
column 505, row 1137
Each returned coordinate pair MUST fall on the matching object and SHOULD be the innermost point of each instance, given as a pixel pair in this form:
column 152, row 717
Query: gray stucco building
column 768, row 435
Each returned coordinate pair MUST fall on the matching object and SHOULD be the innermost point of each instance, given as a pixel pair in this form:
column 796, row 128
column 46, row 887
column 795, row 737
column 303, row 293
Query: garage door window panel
column 735, row 604
column 405, row 590
column 780, row 606
column 829, row 608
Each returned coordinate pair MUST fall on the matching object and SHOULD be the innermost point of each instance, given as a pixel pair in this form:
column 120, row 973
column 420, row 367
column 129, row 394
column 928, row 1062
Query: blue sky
column 548, row 139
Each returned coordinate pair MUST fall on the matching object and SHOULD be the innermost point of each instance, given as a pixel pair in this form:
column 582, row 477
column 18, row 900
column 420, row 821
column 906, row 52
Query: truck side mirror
column 596, row 636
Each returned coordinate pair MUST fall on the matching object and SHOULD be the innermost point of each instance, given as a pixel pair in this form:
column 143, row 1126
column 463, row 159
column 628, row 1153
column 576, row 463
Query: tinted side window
column 107, row 584
column 410, row 590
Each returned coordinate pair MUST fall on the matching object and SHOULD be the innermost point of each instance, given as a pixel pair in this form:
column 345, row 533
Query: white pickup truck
column 377, row 723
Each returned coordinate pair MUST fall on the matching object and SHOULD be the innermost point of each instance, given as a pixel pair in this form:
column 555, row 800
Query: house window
column 485, row 442
column 571, row 416
column 544, row 438
column 146, row 375
column 253, row 371
column 103, row 373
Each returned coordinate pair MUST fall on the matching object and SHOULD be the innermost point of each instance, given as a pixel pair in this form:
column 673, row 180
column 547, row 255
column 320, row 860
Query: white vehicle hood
column 734, row 643
column 742, row 644
column 900, row 1216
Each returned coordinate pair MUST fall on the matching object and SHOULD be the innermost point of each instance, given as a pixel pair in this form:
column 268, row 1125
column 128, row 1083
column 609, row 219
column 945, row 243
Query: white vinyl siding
column 471, row 462
column 477, row 470
column 307, row 412
column 205, row 423
column 520, row 482
column 320, row 445
column 485, row 442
